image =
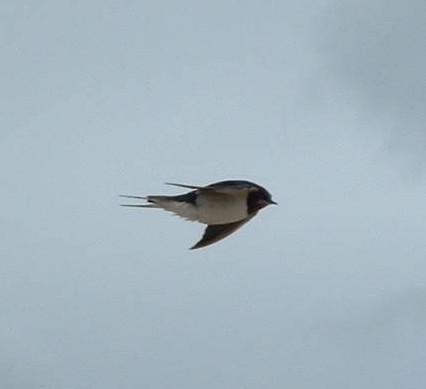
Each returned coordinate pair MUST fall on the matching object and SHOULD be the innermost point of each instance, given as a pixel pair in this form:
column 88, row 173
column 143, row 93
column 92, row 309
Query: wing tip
column 183, row 185
column 197, row 246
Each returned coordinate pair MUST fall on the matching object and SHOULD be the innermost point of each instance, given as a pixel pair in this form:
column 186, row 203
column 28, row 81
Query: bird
column 223, row 206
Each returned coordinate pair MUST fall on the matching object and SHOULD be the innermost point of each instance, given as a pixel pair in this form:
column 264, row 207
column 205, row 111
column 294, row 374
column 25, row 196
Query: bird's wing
column 225, row 187
column 185, row 186
column 216, row 232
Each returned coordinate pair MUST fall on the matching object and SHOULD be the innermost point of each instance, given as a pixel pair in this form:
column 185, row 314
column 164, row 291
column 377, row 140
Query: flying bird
column 224, row 206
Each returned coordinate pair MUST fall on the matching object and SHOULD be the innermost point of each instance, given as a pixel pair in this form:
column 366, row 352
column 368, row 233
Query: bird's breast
column 217, row 208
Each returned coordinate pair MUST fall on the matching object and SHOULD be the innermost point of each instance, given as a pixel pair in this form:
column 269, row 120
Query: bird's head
column 259, row 198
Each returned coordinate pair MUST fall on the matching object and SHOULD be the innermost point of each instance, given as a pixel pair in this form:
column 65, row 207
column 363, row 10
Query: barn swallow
column 224, row 206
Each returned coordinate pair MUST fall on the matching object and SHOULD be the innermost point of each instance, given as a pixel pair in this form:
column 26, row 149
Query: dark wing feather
column 226, row 187
column 184, row 185
column 216, row 232
column 240, row 184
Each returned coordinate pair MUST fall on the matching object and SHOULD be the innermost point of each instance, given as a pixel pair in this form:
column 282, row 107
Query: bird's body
column 207, row 208
column 224, row 206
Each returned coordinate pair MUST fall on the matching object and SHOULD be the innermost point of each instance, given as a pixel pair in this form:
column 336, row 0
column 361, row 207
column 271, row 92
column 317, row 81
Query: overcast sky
column 321, row 102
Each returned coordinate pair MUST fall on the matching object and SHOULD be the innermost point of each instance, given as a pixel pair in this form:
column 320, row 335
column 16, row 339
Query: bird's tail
column 153, row 201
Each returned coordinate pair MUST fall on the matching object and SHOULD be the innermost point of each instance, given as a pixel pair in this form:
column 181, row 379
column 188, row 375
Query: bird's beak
column 273, row 202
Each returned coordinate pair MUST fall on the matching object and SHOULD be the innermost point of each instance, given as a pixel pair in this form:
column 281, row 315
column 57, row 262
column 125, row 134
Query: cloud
column 376, row 50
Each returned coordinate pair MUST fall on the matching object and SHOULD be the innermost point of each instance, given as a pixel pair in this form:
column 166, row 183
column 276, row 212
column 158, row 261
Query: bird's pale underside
column 224, row 206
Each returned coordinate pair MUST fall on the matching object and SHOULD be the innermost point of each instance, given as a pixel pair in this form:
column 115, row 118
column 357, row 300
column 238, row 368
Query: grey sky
column 325, row 291
column 376, row 49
